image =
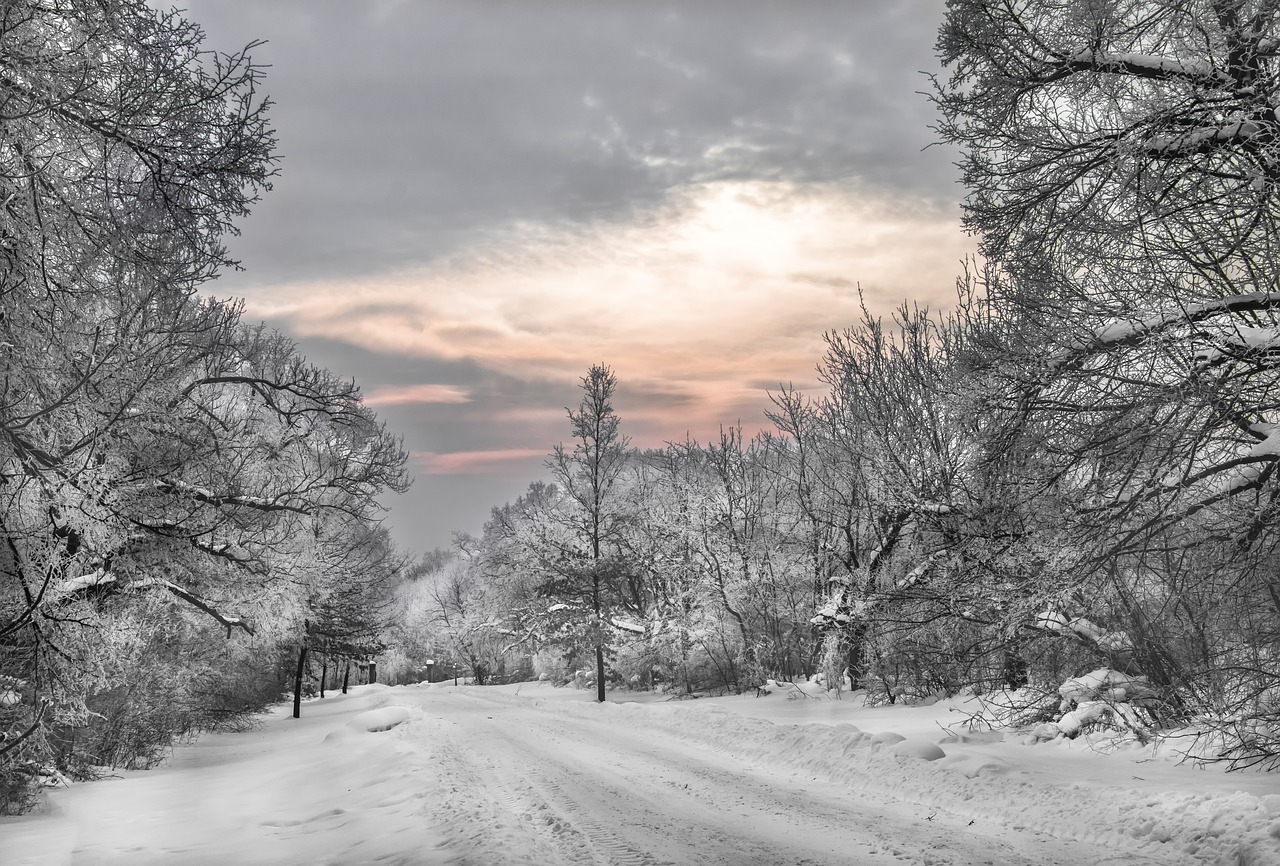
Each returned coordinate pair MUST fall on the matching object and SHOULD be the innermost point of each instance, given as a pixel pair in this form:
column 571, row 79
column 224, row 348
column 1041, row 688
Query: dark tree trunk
column 297, row 682
column 373, row 672
column 855, row 655
column 1016, row 672
column 346, row 675
column 599, row 632
column 599, row 673
column 324, row 673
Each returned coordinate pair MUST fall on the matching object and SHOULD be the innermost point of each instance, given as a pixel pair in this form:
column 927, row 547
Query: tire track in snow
column 665, row 821
column 536, row 791
column 656, row 764
column 478, row 811
column 525, row 815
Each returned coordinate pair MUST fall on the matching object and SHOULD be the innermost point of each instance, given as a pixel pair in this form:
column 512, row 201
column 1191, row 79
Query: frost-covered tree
column 1121, row 160
column 1113, row 133
column 350, row 595
column 895, row 449
column 588, row 475
column 161, row 464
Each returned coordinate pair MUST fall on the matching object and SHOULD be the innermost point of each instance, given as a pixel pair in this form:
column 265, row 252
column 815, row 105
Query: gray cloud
column 409, row 128
column 413, row 131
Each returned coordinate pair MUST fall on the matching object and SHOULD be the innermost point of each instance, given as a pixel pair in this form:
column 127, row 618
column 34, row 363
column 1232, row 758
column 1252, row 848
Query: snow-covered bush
column 177, row 681
column 1103, row 697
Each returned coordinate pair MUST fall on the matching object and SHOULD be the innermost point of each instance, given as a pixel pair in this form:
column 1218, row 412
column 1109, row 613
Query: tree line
column 1073, row 468
column 184, row 499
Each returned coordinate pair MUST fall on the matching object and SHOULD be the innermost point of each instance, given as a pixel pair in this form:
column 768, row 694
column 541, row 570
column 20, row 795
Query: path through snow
column 535, row 775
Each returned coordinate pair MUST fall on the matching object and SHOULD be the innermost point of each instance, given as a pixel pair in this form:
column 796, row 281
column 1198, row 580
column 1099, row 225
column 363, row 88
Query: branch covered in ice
column 96, row 578
column 1128, row 333
column 101, row 577
column 196, row 601
column 201, row 494
column 1144, row 66
column 626, row 625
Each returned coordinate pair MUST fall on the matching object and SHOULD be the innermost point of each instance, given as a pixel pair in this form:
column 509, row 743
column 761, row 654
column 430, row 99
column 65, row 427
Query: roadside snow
column 539, row 775
column 383, row 719
column 921, row 749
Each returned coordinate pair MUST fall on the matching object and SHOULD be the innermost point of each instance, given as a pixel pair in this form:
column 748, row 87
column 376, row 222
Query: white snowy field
column 531, row 774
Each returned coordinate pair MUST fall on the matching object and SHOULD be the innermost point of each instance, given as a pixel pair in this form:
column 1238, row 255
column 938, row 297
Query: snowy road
column 551, row 789
column 484, row 776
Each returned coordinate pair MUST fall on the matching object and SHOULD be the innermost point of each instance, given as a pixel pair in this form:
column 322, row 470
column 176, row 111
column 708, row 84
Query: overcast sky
column 478, row 200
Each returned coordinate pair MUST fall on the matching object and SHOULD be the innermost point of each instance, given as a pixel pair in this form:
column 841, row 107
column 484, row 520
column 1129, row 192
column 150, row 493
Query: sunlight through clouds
column 727, row 285
column 689, row 192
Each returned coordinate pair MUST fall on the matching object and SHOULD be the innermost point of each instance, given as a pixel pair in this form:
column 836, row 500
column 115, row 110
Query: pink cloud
column 698, row 304
column 399, row 395
column 473, row 462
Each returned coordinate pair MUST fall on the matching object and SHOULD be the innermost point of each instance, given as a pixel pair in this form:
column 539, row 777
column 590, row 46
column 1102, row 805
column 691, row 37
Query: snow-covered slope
column 532, row 774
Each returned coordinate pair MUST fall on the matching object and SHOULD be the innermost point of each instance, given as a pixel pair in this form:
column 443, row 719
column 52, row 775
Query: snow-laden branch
column 1230, row 477
column 196, row 601
column 1090, row 632
column 1203, row 138
column 1250, row 467
column 202, row 494
column 625, row 625
column 833, row 613
column 1123, row 333
column 99, row 577
column 1146, row 66
column 1259, row 345
column 934, row 508
column 104, row 579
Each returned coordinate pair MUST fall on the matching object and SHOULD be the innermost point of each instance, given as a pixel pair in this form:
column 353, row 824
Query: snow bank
column 920, row 749
column 383, row 719
column 434, row 790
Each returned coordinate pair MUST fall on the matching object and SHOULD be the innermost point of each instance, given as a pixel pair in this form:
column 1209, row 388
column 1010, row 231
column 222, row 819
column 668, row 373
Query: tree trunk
column 684, row 658
column 346, row 675
column 297, row 682
column 855, row 639
column 1015, row 668
column 324, row 673
column 373, row 672
column 599, row 633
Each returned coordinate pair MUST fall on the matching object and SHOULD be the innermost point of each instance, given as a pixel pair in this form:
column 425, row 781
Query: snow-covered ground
column 531, row 774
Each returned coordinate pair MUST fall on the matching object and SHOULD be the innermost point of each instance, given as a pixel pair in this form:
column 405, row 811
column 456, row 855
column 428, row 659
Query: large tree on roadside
column 1107, row 135
column 588, row 474
column 1123, row 165
column 157, row 456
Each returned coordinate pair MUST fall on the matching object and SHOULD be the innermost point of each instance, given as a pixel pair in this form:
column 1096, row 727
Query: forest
column 1058, row 492
column 184, row 499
